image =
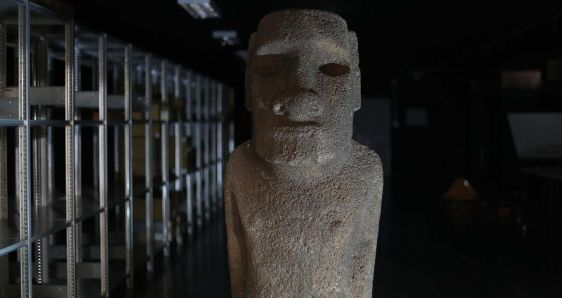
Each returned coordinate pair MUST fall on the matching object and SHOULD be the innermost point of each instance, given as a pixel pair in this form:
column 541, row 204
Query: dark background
column 446, row 59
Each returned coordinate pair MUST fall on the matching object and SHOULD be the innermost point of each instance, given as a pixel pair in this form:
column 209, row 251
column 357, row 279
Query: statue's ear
column 355, row 71
column 248, row 83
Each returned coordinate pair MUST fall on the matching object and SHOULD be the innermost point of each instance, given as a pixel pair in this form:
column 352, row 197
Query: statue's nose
column 300, row 101
column 304, row 106
column 279, row 109
column 301, row 77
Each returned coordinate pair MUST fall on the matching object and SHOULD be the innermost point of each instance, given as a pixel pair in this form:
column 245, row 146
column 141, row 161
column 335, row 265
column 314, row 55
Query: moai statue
column 302, row 198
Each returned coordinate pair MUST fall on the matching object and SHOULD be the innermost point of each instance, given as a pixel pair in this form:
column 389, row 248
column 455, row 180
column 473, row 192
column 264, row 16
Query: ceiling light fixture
column 226, row 37
column 200, row 9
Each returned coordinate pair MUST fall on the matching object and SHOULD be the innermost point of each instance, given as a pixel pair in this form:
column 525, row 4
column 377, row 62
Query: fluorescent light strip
column 200, row 9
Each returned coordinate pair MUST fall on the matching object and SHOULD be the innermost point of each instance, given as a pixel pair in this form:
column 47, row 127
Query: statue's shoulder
column 240, row 163
column 366, row 162
column 239, row 156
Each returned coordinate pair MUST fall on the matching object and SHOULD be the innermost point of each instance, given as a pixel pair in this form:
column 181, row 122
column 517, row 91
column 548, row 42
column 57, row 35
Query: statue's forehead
column 309, row 46
column 301, row 25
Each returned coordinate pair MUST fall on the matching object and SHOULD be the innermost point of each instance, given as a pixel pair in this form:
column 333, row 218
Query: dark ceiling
column 395, row 36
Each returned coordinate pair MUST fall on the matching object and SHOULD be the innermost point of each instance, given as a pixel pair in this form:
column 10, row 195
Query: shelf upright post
column 70, row 155
column 116, row 142
column 188, row 178
column 77, row 136
column 128, row 84
column 206, row 122
column 4, row 277
column 220, row 148
column 198, row 155
column 77, row 152
column 50, row 162
column 178, row 125
column 213, row 147
column 178, row 129
column 116, row 130
column 148, row 163
column 116, row 152
column 3, row 134
column 103, row 189
column 95, row 162
column 230, row 121
column 23, row 161
column 165, row 162
column 189, row 101
column 39, row 145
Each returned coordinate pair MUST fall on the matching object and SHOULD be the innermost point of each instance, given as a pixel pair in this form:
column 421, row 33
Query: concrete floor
column 198, row 271
column 415, row 259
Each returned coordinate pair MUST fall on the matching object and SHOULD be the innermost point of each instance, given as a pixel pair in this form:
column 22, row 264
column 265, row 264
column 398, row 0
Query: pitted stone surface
column 302, row 198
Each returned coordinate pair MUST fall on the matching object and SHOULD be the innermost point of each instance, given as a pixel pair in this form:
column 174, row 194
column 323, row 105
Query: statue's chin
column 301, row 146
column 296, row 146
column 284, row 156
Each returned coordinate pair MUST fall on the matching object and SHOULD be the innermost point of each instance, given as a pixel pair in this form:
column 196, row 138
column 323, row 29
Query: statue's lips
column 298, row 124
column 284, row 121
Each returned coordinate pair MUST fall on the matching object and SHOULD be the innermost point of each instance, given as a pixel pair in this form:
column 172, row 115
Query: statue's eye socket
column 334, row 69
column 268, row 70
column 268, row 65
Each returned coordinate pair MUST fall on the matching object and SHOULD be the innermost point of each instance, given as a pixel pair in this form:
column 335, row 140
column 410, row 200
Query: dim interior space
column 118, row 119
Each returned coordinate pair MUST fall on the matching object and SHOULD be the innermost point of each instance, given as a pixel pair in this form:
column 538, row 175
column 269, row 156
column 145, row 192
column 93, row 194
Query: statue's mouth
column 284, row 121
column 290, row 123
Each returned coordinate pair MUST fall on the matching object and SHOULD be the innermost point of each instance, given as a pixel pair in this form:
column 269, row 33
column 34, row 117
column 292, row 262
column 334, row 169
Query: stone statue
column 302, row 198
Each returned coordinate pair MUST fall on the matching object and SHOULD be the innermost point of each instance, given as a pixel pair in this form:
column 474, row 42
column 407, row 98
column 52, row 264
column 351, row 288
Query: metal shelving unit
column 108, row 155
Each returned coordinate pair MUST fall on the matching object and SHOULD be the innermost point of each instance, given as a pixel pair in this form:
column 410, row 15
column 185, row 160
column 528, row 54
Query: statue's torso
column 301, row 235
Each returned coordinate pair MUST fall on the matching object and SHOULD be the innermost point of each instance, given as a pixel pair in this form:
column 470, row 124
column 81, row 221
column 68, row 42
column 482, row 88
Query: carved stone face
column 302, row 86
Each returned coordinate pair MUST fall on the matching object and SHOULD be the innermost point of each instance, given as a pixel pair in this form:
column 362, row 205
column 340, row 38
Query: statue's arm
column 366, row 244
column 235, row 242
